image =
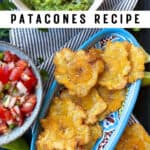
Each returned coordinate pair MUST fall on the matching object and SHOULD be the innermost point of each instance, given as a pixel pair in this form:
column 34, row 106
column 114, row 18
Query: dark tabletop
column 142, row 108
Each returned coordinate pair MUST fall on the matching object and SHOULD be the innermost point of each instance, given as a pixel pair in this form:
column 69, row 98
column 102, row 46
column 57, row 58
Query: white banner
column 74, row 19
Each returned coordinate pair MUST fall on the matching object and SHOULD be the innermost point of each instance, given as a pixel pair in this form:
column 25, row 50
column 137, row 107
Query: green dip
column 58, row 4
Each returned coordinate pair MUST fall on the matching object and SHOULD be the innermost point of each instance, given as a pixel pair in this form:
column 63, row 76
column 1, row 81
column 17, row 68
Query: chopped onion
column 12, row 102
column 17, row 110
column 22, row 99
column 6, row 100
column 22, row 89
column 13, row 113
column 9, row 122
column 25, row 77
column 11, row 65
column 17, row 118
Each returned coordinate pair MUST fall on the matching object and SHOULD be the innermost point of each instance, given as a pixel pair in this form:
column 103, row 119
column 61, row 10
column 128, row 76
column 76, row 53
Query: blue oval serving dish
column 19, row 131
column 114, row 125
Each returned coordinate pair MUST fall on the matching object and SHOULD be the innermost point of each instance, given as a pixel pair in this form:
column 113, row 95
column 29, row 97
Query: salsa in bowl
column 20, row 93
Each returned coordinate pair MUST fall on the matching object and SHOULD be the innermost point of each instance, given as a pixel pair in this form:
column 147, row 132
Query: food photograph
column 74, row 88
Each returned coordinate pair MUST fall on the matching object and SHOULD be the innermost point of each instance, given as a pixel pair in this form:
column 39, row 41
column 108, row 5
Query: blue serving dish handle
column 98, row 40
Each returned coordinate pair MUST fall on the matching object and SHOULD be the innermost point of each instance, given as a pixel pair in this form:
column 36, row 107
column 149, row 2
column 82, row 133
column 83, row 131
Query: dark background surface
column 142, row 108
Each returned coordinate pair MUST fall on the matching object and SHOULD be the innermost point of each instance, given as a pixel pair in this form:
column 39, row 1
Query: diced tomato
column 9, row 57
column 25, row 77
column 22, row 64
column 3, row 128
column 5, row 114
column 29, row 82
column 15, row 58
column 15, row 74
column 29, row 105
column 29, row 72
column 4, row 74
column 8, row 115
column 32, row 99
column 11, row 65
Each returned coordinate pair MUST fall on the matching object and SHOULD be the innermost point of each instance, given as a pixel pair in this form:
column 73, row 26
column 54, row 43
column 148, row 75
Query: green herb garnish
column 40, row 61
column 18, row 103
column 4, row 33
column 7, row 86
column 12, row 126
column 19, row 144
column 5, row 98
column 14, row 90
column 136, row 29
column 6, row 5
column 43, row 29
column 1, row 55
column 44, row 74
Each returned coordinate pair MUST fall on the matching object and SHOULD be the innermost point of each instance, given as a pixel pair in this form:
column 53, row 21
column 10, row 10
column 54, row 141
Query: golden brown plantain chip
column 95, row 54
column 134, row 138
column 96, row 132
column 137, row 58
column 117, row 66
column 63, row 128
column 78, row 71
column 92, row 104
column 113, row 98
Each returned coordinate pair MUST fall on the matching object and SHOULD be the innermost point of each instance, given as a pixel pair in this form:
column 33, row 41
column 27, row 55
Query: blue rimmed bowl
column 19, row 131
column 114, row 124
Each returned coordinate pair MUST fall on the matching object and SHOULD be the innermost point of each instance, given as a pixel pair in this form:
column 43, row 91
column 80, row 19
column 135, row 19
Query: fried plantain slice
column 96, row 132
column 78, row 71
column 95, row 54
column 137, row 58
column 134, row 138
column 63, row 128
column 113, row 98
column 117, row 66
column 92, row 104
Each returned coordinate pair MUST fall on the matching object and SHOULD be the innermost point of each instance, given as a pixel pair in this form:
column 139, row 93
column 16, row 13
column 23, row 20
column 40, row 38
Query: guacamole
column 58, row 4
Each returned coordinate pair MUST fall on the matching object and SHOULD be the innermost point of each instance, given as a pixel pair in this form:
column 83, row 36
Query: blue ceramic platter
column 19, row 131
column 115, row 123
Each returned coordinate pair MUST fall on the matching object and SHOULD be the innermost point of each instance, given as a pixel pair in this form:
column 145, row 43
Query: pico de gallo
column 17, row 86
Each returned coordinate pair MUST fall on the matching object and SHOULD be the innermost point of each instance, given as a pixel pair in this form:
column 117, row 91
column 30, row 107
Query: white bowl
column 22, row 6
